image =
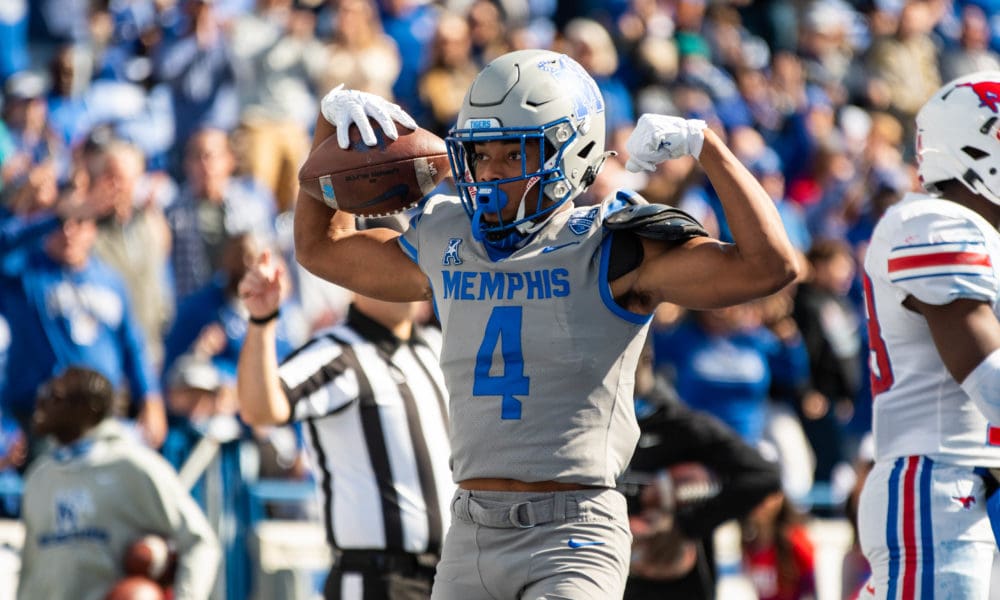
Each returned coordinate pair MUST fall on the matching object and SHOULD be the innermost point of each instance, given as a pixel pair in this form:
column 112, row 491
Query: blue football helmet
column 531, row 97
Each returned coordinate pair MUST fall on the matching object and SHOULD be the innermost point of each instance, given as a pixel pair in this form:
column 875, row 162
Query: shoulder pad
column 656, row 221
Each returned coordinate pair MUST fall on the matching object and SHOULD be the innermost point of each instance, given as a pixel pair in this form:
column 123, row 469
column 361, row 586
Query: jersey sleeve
column 939, row 259
column 317, row 380
column 409, row 240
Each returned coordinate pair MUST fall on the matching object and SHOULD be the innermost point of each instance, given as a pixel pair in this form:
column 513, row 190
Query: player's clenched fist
column 659, row 137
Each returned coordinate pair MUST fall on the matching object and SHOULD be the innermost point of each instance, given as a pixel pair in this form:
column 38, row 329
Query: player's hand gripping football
column 659, row 137
column 343, row 107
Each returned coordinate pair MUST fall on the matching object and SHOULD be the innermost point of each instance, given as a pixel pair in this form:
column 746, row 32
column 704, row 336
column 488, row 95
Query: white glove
column 342, row 107
column 659, row 137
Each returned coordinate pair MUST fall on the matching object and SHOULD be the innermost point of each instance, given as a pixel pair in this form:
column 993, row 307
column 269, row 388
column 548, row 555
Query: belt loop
column 529, row 511
column 559, row 502
column 462, row 509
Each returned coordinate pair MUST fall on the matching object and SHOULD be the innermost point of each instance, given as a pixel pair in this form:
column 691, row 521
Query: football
column 375, row 181
column 136, row 588
column 693, row 483
column 151, row 556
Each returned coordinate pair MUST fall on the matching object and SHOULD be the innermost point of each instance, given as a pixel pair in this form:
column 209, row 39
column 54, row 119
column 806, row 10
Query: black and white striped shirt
column 374, row 410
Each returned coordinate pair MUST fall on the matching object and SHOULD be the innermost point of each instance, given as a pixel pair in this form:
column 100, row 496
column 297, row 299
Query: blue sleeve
column 193, row 313
column 17, row 232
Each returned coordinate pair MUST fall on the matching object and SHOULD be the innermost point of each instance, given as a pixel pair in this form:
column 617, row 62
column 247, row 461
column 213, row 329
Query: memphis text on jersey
column 541, row 284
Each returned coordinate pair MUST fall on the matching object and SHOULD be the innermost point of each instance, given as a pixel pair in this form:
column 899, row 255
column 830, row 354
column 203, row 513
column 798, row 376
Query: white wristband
column 983, row 387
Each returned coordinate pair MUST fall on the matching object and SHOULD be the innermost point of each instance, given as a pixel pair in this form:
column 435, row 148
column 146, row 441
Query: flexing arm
column 706, row 273
column 967, row 336
column 369, row 262
column 261, row 398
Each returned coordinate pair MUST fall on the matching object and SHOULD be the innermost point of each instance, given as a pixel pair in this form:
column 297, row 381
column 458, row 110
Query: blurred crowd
column 149, row 150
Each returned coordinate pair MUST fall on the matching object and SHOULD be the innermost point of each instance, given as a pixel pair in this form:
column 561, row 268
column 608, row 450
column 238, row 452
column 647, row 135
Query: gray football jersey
column 538, row 359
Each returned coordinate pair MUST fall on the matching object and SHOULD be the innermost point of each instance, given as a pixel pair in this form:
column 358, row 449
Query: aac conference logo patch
column 581, row 224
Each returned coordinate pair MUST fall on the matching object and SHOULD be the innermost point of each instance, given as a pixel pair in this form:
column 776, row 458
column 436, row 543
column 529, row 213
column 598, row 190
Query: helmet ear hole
column 585, row 151
column 549, row 150
column 470, row 156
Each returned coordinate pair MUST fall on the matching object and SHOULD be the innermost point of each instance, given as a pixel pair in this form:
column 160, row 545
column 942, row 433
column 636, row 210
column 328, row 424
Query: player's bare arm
column 707, row 273
column 369, row 262
column 965, row 332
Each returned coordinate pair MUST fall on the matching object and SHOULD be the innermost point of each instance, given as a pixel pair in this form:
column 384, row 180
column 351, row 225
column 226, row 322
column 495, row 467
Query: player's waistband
column 509, row 510
column 494, row 484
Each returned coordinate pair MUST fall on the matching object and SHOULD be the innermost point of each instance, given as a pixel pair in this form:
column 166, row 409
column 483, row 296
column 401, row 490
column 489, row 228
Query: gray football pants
column 533, row 546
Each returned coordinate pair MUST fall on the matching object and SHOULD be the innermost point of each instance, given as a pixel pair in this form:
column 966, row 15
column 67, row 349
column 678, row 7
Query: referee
column 372, row 398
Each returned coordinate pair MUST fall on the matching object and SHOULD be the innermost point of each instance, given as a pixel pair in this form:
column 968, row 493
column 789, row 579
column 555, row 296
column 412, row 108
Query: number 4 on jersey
column 503, row 328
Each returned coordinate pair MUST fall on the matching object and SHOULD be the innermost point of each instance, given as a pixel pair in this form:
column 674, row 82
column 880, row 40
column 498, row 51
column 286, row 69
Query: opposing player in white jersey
column 544, row 308
column 931, row 289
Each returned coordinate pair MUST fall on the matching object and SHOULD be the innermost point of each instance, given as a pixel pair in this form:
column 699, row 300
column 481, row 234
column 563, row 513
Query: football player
column 931, row 277
column 544, row 307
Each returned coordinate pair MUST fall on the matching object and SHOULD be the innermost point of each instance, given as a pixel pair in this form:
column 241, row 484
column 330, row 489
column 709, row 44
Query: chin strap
column 528, row 227
column 491, row 199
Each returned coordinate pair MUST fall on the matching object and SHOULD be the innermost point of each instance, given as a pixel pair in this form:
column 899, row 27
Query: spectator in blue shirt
column 726, row 363
column 213, row 322
column 197, row 67
column 766, row 167
column 13, row 38
column 66, row 307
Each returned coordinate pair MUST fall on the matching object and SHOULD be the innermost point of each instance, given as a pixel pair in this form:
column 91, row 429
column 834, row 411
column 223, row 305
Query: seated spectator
column 67, row 110
column 97, row 492
column 832, row 329
column 766, row 167
column 700, row 474
column 197, row 67
column 212, row 320
column 410, row 24
column 591, row 45
column 213, row 205
column 726, row 363
column 360, row 55
column 973, row 52
column 134, row 239
column 25, row 117
column 488, row 31
column 276, row 57
column 778, row 554
column 449, row 74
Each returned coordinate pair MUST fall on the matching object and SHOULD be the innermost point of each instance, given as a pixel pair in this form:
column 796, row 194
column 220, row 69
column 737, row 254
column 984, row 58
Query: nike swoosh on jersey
column 575, row 544
column 548, row 249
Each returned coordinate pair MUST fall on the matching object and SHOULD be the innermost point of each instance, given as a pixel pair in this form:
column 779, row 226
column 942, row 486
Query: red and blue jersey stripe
column 909, row 533
column 968, row 258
